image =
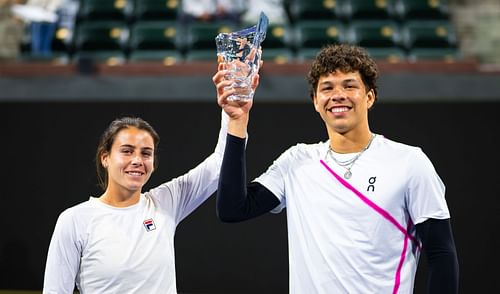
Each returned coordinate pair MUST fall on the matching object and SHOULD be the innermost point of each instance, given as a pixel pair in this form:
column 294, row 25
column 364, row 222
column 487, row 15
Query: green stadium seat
column 449, row 55
column 63, row 40
column 202, row 35
column 104, row 10
column 156, row 9
column 278, row 36
column 422, row 9
column 315, row 34
column 202, row 55
column 313, row 10
column 368, row 9
column 306, row 54
column 101, row 36
column 109, row 57
column 166, row 57
column 390, row 54
column 278, row 55
column 428, row 34
column 374, row 33
column 154, row 35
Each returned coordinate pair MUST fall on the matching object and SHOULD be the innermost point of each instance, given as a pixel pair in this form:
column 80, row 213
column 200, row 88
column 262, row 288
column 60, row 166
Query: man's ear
column 370, row 98
column 315, row 102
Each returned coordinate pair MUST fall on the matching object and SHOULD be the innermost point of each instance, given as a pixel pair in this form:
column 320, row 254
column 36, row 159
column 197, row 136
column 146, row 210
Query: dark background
column 47, row 151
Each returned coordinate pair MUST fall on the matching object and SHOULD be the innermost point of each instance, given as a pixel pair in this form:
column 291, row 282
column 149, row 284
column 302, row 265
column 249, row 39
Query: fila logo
column 149, row 224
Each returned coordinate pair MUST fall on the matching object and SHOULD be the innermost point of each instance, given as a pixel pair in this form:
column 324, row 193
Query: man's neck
column 350, row 142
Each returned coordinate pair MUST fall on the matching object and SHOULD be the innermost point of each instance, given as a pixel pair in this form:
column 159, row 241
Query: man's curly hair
column 345, row 58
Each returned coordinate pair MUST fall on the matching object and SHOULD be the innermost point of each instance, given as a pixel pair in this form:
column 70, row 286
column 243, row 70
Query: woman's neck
column 120, row 199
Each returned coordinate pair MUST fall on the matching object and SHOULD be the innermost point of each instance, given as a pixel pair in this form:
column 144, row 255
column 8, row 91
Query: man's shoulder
column 306, row 149
column 396, row 145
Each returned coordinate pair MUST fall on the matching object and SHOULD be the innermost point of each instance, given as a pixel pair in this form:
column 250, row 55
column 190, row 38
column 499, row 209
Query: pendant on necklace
column 347, row 174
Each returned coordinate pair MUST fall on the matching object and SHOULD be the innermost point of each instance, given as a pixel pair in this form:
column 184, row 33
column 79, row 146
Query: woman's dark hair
column 345, row 58
column 108, row 138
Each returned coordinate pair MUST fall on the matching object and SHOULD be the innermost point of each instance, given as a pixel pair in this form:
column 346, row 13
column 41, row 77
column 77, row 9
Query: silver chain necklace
column 348, row 164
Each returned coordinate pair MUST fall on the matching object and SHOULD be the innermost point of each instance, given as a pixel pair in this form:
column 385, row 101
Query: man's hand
column 238, row 111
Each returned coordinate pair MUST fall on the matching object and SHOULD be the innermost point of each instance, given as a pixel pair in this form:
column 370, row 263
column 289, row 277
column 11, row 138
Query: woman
column 123, row 241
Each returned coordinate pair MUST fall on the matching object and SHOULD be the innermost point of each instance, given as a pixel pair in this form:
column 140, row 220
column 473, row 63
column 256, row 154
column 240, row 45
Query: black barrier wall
column 48, row 165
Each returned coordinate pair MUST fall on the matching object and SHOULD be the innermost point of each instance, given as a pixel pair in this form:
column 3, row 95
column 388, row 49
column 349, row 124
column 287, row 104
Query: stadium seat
column 201, row 55
column 428, row 34
column 390, row 54
column 449, row 55
column 166, row 57
column 306, row 54
column 109, row 57
column 421, row 9
column 63, row 40
column 373, row 33
column 104, row 10
column 154, row 35
column 313, row 10
column 278, row 36
column 202, row 35
column 368, row 9
column 156, row 9
column 315, row 34
column 101, row 36
column 278, row 55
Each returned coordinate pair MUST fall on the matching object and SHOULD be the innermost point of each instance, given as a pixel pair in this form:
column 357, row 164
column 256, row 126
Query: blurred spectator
column 212, row 10
column 11, row 31
column 67, row 13
column 41, row 16
column 274, row 9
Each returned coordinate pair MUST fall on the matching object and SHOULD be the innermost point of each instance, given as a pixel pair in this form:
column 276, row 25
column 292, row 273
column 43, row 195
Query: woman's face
column 130, row 161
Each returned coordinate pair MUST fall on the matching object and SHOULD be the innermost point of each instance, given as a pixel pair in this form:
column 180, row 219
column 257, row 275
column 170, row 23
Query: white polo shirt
column 355, row 235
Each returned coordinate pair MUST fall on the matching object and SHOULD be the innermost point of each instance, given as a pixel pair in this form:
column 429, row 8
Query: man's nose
column 337, row 95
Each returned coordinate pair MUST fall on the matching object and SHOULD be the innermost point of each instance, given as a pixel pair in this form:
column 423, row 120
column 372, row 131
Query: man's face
column 342, row 101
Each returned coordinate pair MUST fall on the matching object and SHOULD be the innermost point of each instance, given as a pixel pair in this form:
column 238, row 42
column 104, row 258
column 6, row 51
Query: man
column 360, row 207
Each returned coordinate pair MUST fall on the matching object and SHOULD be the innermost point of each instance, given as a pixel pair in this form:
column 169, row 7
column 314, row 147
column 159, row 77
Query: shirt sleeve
column 185, row 193
column 426, row 192
column 274, row 178
column 237, row 201
column 63, row 258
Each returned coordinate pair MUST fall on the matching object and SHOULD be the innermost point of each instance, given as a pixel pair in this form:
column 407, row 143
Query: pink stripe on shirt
column 387, row 216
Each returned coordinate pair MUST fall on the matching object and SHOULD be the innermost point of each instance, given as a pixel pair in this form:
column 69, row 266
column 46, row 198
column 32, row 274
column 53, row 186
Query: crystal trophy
column 240, row 53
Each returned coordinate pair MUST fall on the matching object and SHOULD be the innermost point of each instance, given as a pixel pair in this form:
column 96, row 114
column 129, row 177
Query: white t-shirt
column 105, row 249
column 355, row 235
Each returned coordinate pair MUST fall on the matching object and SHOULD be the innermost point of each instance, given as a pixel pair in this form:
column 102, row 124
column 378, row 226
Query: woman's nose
column 137, row 159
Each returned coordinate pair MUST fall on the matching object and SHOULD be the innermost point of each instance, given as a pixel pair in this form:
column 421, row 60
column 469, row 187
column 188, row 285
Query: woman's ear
column 104, row 160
